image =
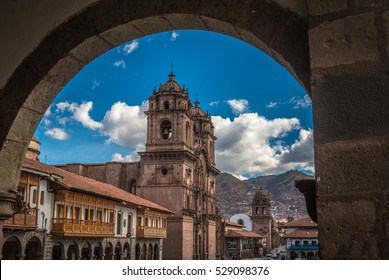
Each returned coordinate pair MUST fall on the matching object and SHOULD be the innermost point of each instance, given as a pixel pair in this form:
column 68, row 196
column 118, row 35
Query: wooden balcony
column 25, row 220
column 150, row 232
column 73, row 227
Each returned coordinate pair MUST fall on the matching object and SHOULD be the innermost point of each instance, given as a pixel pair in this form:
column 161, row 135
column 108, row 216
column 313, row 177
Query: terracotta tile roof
column 300, row 233
column 233, row 224
column 79, row 183
column 242, row 233
column 305, row 222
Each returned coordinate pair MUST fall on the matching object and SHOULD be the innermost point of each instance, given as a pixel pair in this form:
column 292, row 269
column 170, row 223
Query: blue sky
column 262, row 116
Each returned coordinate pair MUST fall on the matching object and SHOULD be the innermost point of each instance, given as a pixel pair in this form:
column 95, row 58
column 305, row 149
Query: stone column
column 349, row 47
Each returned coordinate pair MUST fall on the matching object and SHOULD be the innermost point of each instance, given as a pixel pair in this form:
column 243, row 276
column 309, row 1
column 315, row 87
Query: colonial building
column 302, row 239
column 262, row 219
column 67, row 216
column 177, row 170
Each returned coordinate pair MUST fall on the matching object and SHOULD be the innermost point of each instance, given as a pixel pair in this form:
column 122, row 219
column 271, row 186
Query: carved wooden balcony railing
column 26, row 219
column 150, row 232
column 74, row 227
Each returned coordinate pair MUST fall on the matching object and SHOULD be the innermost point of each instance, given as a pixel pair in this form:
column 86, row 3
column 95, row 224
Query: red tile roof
column 242, row 233
column 305, row 222
column 300, row 233
column 233, row 224
column 83, row 184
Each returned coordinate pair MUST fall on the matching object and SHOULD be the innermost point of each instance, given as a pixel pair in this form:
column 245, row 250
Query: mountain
column 235, row 196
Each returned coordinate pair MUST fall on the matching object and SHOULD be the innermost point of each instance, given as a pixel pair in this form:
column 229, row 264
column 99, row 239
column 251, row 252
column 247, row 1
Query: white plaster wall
column 248, row 223
column 125, row 213
column 46, row 208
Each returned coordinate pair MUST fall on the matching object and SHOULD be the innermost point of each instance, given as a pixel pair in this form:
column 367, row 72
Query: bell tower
column 261, row 215
column 178, row 171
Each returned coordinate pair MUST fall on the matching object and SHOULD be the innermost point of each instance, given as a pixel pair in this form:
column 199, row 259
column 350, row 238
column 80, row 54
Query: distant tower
column 33, row 150
column 178, row 171
column 262, row 216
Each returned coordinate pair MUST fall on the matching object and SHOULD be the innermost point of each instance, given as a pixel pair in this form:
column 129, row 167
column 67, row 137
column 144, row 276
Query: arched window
column 166, row 105
column 241, row 222
column 166, row 130
column 263, row 210
column 257, row 210
column 132, row 187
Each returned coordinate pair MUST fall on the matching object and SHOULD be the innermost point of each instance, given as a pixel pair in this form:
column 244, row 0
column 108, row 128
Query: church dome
column 170, row 85
column 262, row 193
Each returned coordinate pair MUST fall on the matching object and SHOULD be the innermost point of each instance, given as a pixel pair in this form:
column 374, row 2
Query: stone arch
column 150, row 252
column 73, row 251
column 12, row 249
column 86, row 251
column 144, row 251
column 127, row 251
column 108, row 252
column 33, row 250
column 98, row 251
column 118, row 251
column 138, row 253
column 88, row 31
column 58, row 251
column 156, row 252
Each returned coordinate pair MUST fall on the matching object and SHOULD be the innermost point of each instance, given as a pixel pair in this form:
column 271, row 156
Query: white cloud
column 214, row 103
column 244, row 143
column 48, row 112
column 131, row 47
column 272, row 104
column 80, row 113
column 95, row 84
column 126, row 125
column 57, row 133
column 132, row 157
column 120, row 63
column 47, row 122
column 174, row 36
column 238, row 106
column 300, row 102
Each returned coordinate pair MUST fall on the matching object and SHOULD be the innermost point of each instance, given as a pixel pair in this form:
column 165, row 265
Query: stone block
column 344, row 41
column 352, row 167
column 220, row 27
column 65, row 70
column 90, row 49
column 385, row 20
column 122, row 34
column 265, row 20
column 153, row 25
column 108, row 14
column 228, row 11
column 320, row 7
column 42, row 95
column 185, row 21
column 24, row 125
column 350, row 102
column 370, row 3
column 11, row 155
column 347, row 228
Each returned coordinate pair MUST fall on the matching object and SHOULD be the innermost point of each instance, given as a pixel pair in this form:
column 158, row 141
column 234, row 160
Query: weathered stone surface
column 344, row 41
column 153, row 25
column 90, row 49
column 24, row 126
column 220, row 27
column 184, row 21
column 370, row 3
column 42, row 95
column 229, row 11
column 265, row 20
column 348, row 228
column 295, row 55
column 253, row 40
column 65, row 69
column 107, row 14
column 122, row 34
column 352, row 167
column 11, row 155
column 350, row 102
column 320, row 7
column 385, row 19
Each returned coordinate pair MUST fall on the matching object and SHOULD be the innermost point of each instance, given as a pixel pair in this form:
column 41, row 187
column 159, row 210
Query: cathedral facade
column 177, row 170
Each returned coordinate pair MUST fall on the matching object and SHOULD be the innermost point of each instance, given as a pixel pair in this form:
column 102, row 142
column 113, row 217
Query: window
column 86, row 214
column 34, row 198
column 111, row 216
column 166, row 105
column 42, row 197
column 76, row 213
column 91, row 215
column 129, row 225
column 151, row 105
column 60, row 211
column 99, row 215
column 164, row 171
column 119, row 223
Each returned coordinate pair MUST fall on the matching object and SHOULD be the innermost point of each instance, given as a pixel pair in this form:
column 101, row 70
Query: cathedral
column 177, row 170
